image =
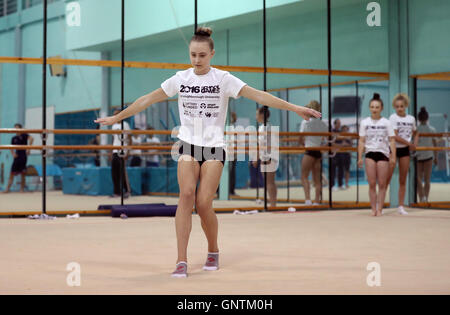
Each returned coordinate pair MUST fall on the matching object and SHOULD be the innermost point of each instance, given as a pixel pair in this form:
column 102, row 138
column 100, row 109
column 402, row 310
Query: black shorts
column 402, row 152
column 426, row 160
column 19, row 165
column 314, row 154
column 203, row 154
column 377, row 156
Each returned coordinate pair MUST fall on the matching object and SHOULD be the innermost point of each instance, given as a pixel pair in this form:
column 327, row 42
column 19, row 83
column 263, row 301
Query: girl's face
column 375, row 108
column 201, row 55
column 400, row 107
column 259, row 117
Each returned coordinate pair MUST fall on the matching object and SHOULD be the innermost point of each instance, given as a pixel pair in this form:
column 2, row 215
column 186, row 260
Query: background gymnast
column 377, row 140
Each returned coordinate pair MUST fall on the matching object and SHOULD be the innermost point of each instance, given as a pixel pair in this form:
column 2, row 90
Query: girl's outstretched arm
column 138, row 106
column 268, row 99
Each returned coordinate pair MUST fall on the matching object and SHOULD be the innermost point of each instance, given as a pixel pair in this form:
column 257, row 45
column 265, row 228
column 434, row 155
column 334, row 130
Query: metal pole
column 415, row 115
column 357, row 130
column 321, row 162
column 44, row 111
column 329, row 99
column 122, row 159
column 288, row 157
column 265, row 89
column 196, row 16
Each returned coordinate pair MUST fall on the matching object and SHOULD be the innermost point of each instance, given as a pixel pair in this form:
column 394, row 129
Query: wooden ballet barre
column 21, row 131
column 180, row 66
column 175, row 132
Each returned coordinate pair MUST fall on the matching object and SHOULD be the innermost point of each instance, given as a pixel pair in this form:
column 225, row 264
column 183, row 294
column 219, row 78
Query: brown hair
column 401, row 97
column 264, row 111
column 315, row 105
column 376, row 97
column 203, row 34
column 423, row 115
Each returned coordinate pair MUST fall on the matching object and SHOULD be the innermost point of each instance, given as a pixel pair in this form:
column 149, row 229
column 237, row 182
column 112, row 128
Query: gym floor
column 265, row 253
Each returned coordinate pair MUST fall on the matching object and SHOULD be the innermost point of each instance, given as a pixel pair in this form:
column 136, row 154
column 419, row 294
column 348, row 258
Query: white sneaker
column 402, row 211
column 308, row 203
column 316, row 204
column 342, row 188
column 335, row 189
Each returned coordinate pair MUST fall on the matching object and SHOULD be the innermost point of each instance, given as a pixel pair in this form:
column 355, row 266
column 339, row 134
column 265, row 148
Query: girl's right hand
column 392, row 161
column 106, row 121
column 360, row 163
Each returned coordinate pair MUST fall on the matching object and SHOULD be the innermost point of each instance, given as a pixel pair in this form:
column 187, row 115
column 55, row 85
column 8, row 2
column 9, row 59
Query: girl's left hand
column 106, row 121
column 307, row 113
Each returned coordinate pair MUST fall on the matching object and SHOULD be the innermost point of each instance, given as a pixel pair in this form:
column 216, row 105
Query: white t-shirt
column 377, row 133
column 116, row 138
column 154, row 157
column 425, row 142
column 203, row 104
column 137, row 140
column 405, row 127
column 313, row 125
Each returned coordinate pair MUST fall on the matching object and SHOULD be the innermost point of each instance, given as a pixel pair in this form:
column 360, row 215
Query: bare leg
column 307, row 165
column 403, row 175
column 22, row 184
column 428, row 168
column 272, row 188
column 371, row 173
column 382, row 175
column 391, row 173
column 188, row 174
column 10, row 182
column 316, row 178
column 209, row 181
column 420, row 178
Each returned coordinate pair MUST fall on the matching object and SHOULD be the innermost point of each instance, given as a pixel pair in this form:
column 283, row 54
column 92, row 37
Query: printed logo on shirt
column 203, row 105
column 214, row 89
column 213, row 106
column 190, row 105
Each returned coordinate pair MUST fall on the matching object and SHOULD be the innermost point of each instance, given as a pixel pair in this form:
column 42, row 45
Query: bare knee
column 187, row 195
column 372, row 184
column 382, row 186
column 203, row 205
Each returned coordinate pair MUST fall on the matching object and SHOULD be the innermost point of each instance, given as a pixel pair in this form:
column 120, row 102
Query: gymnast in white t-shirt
column 407, row 138
column 203, row 94
column 378, row 143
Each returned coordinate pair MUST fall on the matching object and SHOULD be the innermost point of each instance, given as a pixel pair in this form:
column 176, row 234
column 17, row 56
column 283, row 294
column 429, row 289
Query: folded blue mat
column 143, row 211
column 108, row 207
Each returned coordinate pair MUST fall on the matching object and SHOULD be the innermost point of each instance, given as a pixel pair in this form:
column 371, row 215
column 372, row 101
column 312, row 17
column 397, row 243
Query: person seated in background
column 19, row 165
column 152, row 159
column 136, row 160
